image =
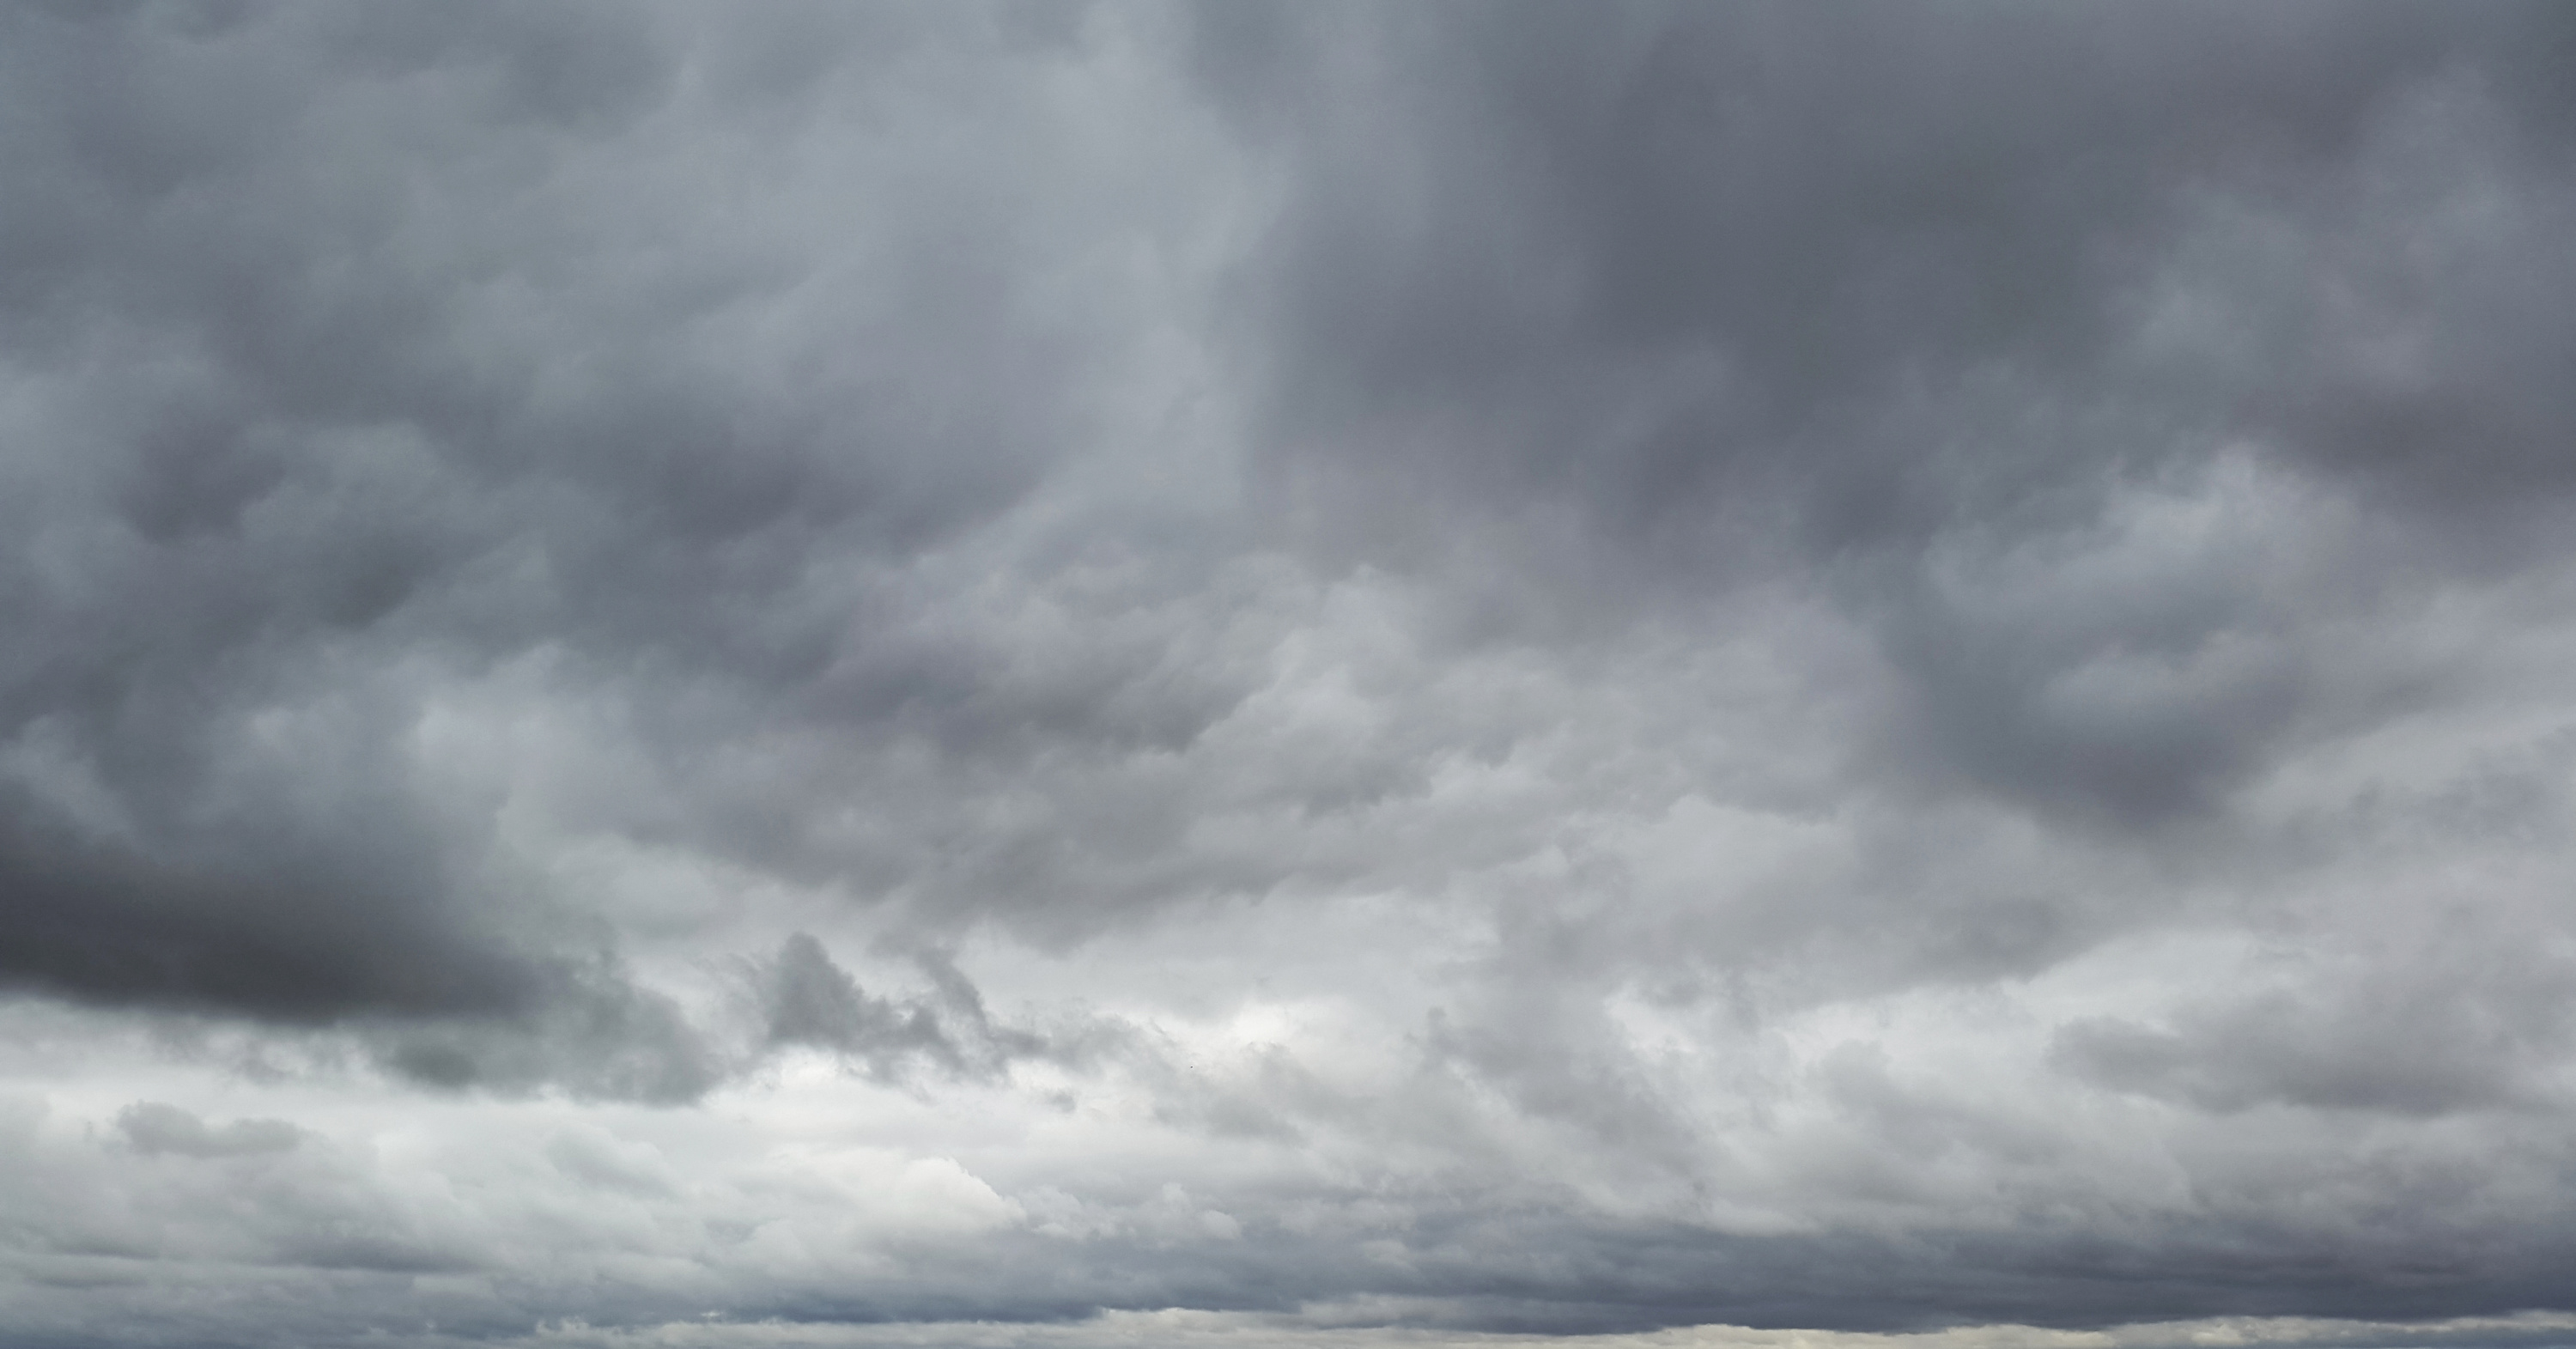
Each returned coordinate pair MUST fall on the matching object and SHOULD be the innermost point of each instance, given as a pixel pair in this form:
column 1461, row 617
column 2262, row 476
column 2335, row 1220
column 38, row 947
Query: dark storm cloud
column 1891, row 624
column 1819, row 204
column 1866, row 288
column 2125, row 373
column 352, row 352
column 585, row 1028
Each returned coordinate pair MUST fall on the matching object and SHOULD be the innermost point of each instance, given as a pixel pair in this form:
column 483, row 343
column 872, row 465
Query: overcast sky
column 1271, row 674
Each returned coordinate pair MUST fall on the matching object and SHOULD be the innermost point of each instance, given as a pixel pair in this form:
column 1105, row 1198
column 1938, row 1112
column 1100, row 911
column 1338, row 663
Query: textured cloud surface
column 1287, row 673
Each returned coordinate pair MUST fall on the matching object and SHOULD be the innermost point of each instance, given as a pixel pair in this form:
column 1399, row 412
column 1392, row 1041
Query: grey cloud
column 590, row 1032
column 2426, row 1033
column 614, row 1219
column 1564, row 669
column 1810, row 198
column 351, row 344
column 153, row 1127
column 177, row 1189
column 262, row 935
column 1846, row 291
column 810, row 1001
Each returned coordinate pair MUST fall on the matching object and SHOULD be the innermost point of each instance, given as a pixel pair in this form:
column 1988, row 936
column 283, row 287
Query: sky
column 1287, row 673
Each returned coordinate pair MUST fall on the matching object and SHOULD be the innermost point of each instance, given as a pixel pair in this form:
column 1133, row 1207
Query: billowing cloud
column 1274, row 672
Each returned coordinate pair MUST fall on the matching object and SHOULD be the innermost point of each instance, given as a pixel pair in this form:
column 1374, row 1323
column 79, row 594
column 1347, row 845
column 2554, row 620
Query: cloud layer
column 1324, row 671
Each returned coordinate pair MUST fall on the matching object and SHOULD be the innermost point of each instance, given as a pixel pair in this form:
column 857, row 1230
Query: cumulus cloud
column 1285, row 672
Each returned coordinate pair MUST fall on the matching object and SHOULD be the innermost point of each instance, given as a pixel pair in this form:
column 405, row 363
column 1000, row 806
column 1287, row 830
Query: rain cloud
column 1315, row 673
